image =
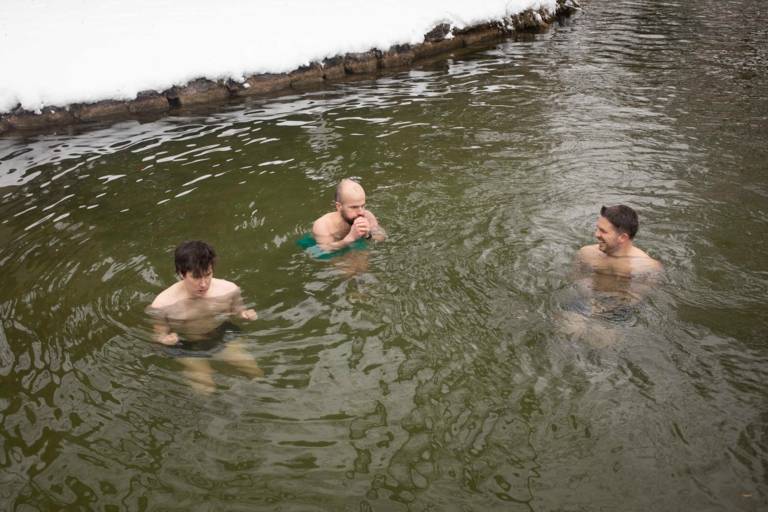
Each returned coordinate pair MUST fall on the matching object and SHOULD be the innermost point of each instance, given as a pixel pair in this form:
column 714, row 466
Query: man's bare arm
column 162, row 329
column 580, row 263
column 327, row 242
column 376, row 231
column 238, row 307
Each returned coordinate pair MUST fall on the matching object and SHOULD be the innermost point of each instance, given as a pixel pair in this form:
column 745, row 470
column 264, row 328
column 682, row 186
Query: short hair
column 623, row 218
column 194, row 256
column 341, row 185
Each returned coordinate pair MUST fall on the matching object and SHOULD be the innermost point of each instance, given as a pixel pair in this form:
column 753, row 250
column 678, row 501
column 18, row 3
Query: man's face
column 352, row 206
column 198, row 286
column 609, row 239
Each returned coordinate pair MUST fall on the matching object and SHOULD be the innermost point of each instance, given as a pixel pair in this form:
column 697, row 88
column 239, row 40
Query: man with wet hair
column 191, row 316
column 350, row 222
column 611, row 279
column 194, row 261
column 194, row 256
column 615, row 252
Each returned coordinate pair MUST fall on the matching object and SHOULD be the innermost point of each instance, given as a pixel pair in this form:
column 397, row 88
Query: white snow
column 59, row 52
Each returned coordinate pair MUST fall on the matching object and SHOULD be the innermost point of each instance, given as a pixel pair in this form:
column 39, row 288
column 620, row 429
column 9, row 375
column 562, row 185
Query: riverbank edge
column 441, row 40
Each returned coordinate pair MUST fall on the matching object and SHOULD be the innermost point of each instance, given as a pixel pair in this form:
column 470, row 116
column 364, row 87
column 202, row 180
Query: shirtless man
column 197, row 307
column 350, row 222
column 612, row 277
column 614, row 253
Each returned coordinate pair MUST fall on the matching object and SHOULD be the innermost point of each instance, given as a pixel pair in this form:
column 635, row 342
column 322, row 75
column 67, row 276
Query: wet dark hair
column 623, row 218
column 194, row 256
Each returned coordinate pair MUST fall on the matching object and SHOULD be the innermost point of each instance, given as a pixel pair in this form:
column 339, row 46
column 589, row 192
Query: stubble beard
column 606, row 249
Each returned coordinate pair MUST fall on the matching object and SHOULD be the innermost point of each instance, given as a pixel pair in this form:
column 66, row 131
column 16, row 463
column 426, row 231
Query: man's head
column 616, row 227
column 194, row 261
column 350, row 200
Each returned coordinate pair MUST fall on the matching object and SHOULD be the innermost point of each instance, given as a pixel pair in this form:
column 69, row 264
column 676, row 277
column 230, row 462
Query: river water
column 441, row 369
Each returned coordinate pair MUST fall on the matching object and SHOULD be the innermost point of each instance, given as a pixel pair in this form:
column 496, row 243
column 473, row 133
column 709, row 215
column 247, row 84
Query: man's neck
column 623, row 251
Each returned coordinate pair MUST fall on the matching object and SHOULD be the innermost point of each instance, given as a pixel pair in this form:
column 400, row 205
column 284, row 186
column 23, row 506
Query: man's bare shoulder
column 643, row 262
column 221, row 287
column 370, row 216
column 589, row 249
column 167, row 297
column 324, row 225
column 588, row 253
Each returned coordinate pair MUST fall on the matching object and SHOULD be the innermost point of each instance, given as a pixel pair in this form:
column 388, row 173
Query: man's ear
column 623, row 238
column 338, row 206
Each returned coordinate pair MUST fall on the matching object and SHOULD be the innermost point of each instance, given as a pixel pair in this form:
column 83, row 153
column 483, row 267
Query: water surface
column 435, row 370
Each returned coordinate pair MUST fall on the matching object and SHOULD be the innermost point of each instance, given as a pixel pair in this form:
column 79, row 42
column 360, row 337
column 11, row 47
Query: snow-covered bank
column 70, row 61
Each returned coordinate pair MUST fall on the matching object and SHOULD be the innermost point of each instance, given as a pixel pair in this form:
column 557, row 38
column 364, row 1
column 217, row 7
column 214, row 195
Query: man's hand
column 168, row 339
column 248, row 314
column 360, row 229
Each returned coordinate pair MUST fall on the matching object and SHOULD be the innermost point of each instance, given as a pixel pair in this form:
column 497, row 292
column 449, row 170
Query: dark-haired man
column 615, row 253
column 612, row 278
column 350, row 222
column 191, row 315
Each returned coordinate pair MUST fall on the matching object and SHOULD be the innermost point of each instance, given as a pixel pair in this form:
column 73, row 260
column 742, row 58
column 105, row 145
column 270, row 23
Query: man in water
column 615, row 253
column 192, row 316
column 349, row 223
column 612, row 278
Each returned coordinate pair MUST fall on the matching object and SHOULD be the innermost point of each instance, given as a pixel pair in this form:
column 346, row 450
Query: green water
column 435, row 370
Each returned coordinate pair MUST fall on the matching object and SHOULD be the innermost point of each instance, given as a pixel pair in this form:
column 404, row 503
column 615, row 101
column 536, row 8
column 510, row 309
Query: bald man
column 350, row 222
